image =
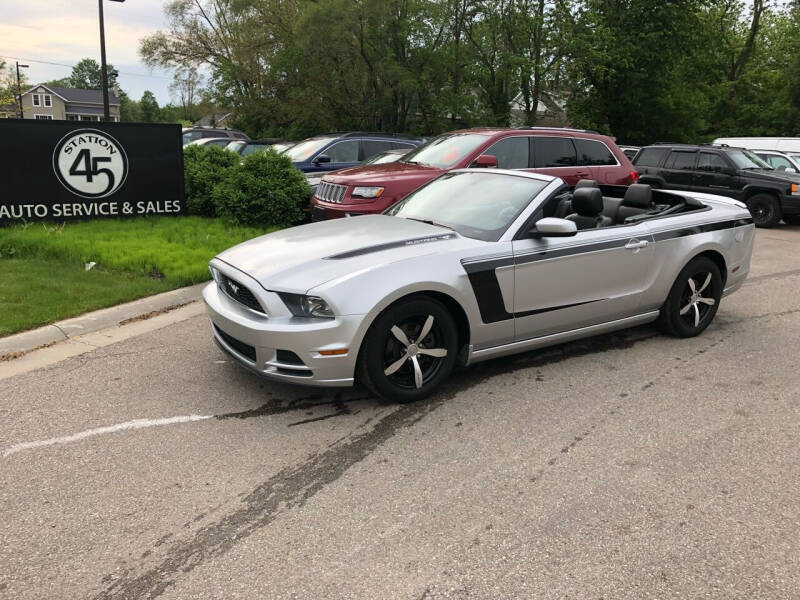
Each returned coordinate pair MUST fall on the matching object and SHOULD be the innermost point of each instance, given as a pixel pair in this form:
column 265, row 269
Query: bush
column 204, row 167
column 263, row 190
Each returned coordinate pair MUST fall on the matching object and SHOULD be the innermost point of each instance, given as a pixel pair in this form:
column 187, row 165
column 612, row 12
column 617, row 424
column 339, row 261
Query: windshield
column 386, row 157
column 306, row 149
column 446, row 150
column 281, row 147
column 476, row 205
column 744, row 159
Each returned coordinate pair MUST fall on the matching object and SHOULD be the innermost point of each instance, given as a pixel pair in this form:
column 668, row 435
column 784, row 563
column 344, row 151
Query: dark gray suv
column 770, row 194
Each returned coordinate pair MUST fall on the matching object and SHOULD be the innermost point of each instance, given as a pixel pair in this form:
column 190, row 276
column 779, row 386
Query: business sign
column 60, row 170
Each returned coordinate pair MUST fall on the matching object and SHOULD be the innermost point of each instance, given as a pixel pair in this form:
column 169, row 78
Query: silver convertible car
column 476, row 264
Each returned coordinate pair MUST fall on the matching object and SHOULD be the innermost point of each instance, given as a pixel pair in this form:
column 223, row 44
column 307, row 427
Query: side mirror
column 552, row 227
column 486, row 161
column 791, row 170
column 321, row 159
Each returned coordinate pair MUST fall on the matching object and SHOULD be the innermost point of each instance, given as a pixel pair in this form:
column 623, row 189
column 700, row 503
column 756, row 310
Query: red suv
column 571, row 154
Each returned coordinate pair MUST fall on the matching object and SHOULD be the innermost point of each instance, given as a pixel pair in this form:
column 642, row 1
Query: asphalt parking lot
column 631, row 465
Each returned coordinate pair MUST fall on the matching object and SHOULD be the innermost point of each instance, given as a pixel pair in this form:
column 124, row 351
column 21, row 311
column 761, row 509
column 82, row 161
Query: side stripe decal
column 483, row 277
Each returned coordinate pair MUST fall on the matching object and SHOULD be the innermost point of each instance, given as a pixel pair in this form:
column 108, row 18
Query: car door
column 556, row 156
column 678, row 169
column 714, row 175
column 343, row 154
column 596, row 276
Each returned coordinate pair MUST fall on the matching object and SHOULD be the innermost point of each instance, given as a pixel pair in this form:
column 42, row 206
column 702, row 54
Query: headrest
column 638, row 195
column 586, row 183
column 587, row 201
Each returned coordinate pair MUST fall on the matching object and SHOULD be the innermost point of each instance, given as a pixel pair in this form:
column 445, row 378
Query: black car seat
column 638, row 199
column 564, row 207
column 588, row 205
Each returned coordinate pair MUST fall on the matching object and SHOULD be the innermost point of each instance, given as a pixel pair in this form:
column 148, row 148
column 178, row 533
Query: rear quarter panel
column 723, row 228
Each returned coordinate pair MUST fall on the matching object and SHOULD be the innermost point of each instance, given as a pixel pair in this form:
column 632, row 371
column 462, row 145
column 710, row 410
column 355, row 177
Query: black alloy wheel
column 693, row 300
column 765, row 210
column 409, row 350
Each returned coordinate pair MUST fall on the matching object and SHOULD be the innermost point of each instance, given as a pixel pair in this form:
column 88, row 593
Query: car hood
column 300, row 258
column 776, row 175
column 396, row 171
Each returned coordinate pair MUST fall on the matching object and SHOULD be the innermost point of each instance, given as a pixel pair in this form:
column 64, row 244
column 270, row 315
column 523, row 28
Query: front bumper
column 254, row 341
column 790, row 205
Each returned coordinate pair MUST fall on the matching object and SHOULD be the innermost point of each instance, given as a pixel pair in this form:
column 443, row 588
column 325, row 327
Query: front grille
column 244, row 349
column 234, row 289
column 331, row 192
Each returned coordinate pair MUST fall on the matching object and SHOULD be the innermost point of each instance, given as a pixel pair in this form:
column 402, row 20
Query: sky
column 65, row 31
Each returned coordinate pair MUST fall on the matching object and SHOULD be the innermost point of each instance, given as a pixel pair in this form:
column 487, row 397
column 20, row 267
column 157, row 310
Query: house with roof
column 67, row 104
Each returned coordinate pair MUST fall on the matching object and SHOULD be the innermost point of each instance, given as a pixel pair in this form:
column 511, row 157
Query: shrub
column 263, row 190
column 204, row 167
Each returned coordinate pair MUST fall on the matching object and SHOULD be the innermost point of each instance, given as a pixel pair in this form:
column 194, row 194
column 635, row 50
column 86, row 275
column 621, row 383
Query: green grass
column 175, row 248
column 37, row 291
column 42, row 275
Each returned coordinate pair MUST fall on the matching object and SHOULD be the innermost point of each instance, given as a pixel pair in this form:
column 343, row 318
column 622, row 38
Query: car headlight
column 306, row 306
column 214, row 273
column 367, row 192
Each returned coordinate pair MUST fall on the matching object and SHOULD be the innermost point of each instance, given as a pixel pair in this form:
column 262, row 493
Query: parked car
column 788, row 145
column 779, row 161
column 630, row 151
column 335, row 151
column 218, row 142
column 571, row 154
column 396, row 300
column 190, row 134
column 245, row 147
column 735, row 172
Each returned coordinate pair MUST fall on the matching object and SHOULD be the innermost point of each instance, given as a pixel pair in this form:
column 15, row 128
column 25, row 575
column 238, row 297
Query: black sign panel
column 61, row 170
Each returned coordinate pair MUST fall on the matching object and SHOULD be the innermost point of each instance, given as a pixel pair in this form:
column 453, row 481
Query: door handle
column 635, row 244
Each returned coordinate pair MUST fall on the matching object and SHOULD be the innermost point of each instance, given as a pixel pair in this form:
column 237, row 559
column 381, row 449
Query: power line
column 47, row 62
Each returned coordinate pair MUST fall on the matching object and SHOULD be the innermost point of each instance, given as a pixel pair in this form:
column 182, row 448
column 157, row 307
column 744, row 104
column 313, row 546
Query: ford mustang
column 477, row 264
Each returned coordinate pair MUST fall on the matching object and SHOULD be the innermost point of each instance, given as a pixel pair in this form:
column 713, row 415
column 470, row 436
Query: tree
column 186, row 87
column 149, row 111
column 8, row 88
column 88, row 75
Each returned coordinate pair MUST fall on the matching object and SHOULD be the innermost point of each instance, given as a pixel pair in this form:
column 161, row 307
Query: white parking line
column 135, row 424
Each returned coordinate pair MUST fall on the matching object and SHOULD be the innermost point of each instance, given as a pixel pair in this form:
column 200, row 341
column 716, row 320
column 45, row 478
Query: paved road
column 626, row 466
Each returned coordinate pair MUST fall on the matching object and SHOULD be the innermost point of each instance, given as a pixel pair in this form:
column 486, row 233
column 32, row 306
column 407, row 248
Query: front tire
column 693, row 300
column 409, row 350
column 765, row 209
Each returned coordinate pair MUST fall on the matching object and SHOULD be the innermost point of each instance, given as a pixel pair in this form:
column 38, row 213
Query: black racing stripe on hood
column 401, row 244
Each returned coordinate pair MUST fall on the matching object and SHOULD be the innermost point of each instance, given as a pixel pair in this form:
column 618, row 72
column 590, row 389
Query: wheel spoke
column 426, row 329
column 392, row 368
column 401, row 336
column 696, row 315
column 705, row 283
column 692, row 285
column 417, row 372
column 709, row 301
column 437, row 352
column 686, row 308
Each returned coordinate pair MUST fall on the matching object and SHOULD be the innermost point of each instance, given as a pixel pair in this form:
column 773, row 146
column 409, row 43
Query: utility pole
column 103, row 67
column 19, row 89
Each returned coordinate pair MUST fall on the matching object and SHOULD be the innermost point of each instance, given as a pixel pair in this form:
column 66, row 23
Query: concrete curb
column 97, row 320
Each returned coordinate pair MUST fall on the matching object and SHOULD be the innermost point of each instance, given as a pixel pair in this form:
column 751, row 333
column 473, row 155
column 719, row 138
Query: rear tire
column 765, row 209
column 693, row 300
column 409, row 350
